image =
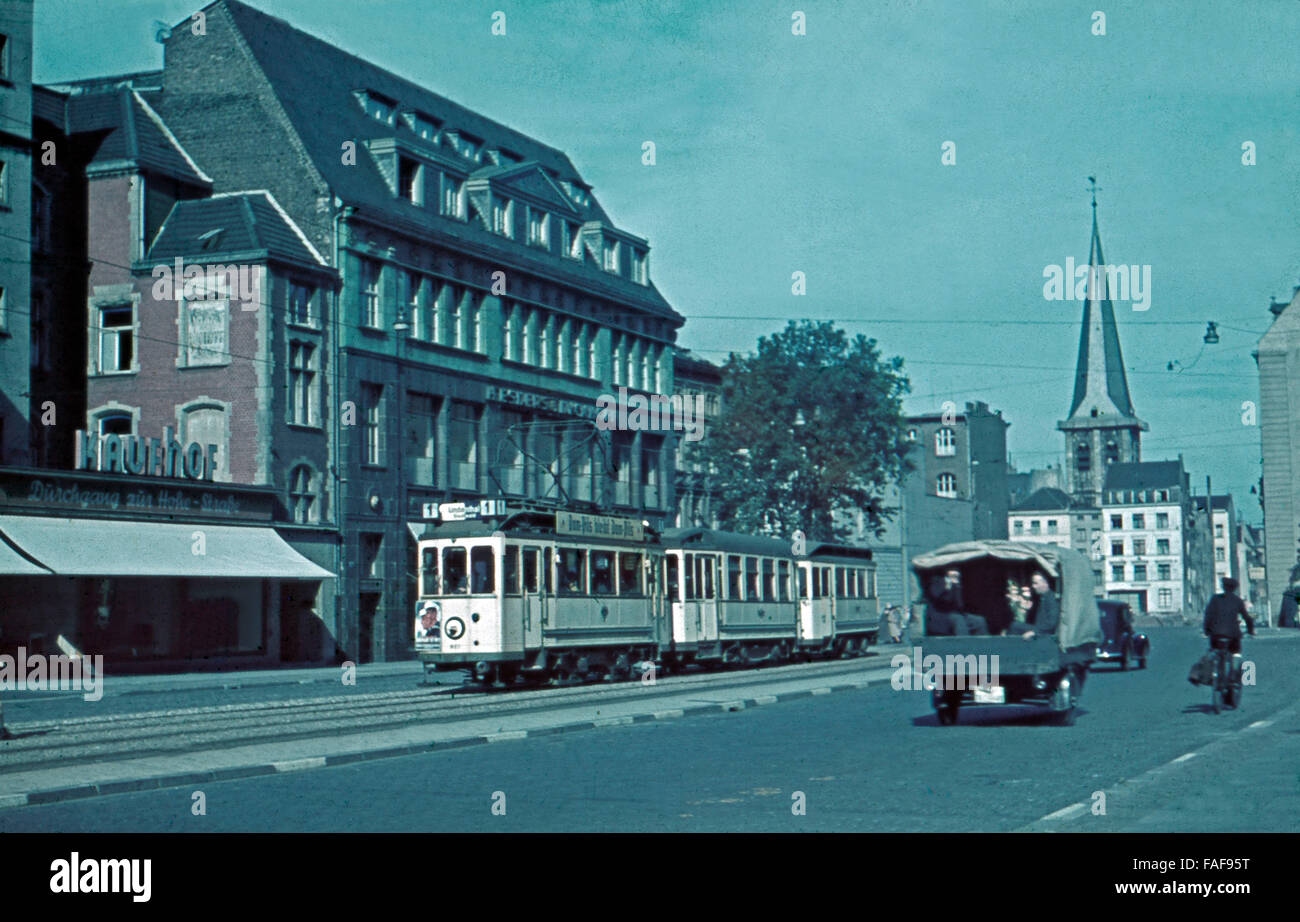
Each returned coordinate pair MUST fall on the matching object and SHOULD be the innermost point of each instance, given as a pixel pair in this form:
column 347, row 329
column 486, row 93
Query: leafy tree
column 811, row 431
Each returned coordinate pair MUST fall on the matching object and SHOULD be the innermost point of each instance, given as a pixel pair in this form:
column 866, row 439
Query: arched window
column 302, row 495
column 946, row 486
column 945, row 443
column 1083, row 459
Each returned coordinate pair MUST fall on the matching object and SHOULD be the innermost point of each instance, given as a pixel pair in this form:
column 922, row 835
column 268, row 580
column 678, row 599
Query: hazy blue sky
column 821, row 153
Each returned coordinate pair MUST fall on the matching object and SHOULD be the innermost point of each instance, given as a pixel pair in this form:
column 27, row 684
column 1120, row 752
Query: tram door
column 707, row 588
column 537, row 578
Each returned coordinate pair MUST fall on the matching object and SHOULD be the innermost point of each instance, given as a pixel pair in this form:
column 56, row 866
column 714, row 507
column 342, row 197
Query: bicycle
column 1226, row 686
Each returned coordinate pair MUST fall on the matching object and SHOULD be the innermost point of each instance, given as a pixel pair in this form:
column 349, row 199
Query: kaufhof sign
column 146, row 457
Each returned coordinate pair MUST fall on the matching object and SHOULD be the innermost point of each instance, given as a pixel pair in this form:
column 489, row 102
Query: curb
column 130, row 786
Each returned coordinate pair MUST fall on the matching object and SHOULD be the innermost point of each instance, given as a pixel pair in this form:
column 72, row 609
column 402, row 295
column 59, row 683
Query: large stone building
column 486, row 299
column 19, row 411
column 1278, row 358
column 701, row 381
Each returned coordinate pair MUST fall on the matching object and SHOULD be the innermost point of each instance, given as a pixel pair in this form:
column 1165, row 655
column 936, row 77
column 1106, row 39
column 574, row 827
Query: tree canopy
column 811, row 431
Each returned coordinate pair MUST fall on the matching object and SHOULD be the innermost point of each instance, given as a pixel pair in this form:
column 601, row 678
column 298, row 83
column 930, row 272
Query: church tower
column 1102, row 427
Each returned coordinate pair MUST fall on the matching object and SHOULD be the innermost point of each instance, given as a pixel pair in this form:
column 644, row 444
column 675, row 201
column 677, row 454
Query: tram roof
column 517, row 525
column 708, row 539
column 828, row 551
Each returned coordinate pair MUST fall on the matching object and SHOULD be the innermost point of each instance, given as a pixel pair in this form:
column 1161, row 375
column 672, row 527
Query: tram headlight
column 454, row 628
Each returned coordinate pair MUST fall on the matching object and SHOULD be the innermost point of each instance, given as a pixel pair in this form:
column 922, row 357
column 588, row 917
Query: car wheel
column 1142, row 662
column 1123, row 661
column 1065, row 718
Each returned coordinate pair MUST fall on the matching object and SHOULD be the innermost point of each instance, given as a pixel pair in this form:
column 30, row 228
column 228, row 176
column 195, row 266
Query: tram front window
column 429, row 572
column 483, row 572
column 455, row 571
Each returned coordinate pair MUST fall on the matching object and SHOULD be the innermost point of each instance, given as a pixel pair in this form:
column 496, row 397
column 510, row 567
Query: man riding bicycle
column 1222, row 614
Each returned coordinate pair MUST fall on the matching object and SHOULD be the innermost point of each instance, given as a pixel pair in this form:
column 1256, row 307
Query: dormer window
column 639, row 266
column 453, row 196
column 611, row 254
column 576, row 192
column 424, row 125
column 378, row 107
column 471, row 148
column 502, row 216
column 538, row 227
column 410, row 180
column 572, row 240
column 508, row 157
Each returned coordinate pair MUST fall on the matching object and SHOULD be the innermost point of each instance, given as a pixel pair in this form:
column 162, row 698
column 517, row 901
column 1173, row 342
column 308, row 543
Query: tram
column 542, row 593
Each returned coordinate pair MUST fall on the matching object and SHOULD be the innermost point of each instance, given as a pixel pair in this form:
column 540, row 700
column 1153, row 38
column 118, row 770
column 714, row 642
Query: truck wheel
column 947, row 715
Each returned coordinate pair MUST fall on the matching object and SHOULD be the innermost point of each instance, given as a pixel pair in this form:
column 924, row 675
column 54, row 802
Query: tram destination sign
column 459, row 512
column 598, row 526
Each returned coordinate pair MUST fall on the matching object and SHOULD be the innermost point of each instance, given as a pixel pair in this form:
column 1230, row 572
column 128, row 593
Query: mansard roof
column 1045, row 499
column 319, row 87
column 1144, row 475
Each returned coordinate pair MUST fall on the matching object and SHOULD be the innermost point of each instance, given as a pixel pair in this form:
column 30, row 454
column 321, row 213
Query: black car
column 1119, row 641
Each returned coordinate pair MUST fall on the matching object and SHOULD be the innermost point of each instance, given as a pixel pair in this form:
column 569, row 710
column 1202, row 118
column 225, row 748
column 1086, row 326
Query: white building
column 1154, row 558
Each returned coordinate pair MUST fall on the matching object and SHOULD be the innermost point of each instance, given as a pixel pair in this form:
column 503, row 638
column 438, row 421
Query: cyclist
column 1222, row 617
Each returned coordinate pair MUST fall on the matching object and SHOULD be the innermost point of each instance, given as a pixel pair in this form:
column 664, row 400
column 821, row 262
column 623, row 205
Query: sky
column 822, row 153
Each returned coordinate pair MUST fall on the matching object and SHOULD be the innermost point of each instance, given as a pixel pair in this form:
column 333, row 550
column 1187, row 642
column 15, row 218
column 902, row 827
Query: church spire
column 1102, row 428
column 1100, row 385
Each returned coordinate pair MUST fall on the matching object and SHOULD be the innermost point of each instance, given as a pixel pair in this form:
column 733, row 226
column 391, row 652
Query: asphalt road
column 871, row 760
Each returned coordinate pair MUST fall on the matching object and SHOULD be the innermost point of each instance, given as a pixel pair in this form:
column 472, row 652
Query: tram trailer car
column 746, row 599
column 521, row 598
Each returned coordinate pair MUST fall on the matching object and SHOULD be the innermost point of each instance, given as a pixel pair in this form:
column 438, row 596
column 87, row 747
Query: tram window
column 689, row 566
column 752, row 592
column 602, row 573
column 429, row 572
column 572, row 571
column 670, row 577
column 769, row 578
column 510, row 570
column 530, row 569
column 841, row 589
column 783, row 581
column 705, row 564
column 629, row 574
column 803, row 582
column 483, row 574
column 733, row 577
column 826, row 581
column 455, row 574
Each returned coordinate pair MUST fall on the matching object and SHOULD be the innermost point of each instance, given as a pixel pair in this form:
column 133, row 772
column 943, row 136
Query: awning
column 103, row 547
column 14, row 564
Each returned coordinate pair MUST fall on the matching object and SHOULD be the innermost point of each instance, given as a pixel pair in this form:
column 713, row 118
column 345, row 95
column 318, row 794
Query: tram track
column 119, row 736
